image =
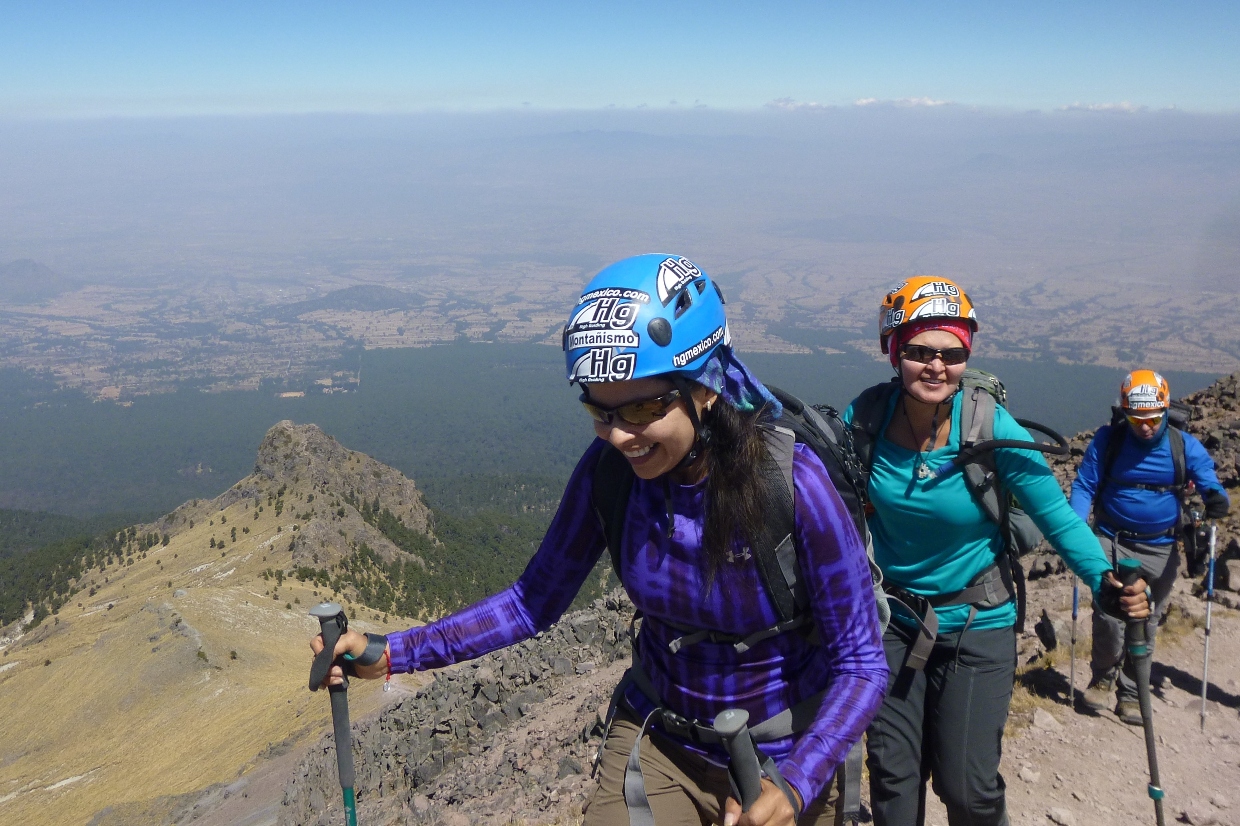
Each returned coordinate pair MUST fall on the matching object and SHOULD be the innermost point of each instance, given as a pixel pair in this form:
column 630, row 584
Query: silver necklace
column 920, row 466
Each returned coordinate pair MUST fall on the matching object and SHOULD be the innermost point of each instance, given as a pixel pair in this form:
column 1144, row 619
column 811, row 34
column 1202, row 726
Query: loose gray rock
column 1199, row 815
column 1028, row 775
column 1061, row 816
column 1219, row 801
column 1046, row 721
column 568, row 767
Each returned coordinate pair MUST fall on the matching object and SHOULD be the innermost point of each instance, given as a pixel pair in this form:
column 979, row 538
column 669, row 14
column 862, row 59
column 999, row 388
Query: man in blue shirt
column 1134, row 477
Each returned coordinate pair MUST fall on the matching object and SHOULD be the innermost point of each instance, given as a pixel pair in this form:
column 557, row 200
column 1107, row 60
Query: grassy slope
column 127, row 710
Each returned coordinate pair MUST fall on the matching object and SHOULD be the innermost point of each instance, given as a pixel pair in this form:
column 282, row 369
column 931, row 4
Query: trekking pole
column 732, row 726
column 1205, row 668
column 333, row 623
column 1139, row 652
column 1076, row 604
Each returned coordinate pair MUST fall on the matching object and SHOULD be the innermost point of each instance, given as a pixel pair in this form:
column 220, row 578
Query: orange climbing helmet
column 1144, row 391
column 923, row 297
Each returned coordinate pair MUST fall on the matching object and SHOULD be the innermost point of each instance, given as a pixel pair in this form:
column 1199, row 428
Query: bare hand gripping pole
column 1140, row 654
column 746, row 773
column 333, row 623
column 1205, row 668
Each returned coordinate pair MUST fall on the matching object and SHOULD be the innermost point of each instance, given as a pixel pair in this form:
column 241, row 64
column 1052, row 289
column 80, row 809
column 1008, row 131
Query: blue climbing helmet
column 644, row 316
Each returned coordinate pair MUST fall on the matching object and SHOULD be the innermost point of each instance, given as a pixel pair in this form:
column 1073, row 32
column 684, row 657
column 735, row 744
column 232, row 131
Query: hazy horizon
column 1091, row 237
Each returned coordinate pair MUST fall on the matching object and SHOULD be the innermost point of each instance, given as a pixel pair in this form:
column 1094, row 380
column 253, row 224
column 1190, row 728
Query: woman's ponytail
column 736, row 496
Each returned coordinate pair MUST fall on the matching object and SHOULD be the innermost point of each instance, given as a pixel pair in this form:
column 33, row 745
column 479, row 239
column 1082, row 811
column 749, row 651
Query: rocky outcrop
column 465, row 713
column 305, row 455
column 321, row 492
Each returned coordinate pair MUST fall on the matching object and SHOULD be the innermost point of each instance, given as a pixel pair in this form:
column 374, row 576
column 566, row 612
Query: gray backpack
column 983, row 393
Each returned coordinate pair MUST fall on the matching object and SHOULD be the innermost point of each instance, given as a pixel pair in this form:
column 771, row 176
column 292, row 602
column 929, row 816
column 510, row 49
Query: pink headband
column 902, row 334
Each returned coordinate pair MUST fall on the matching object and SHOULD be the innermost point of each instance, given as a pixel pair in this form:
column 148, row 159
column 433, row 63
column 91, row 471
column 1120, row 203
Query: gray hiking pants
column 945, row 724
column 1159, row 565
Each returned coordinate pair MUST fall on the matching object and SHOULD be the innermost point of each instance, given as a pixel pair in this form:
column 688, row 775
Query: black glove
column 1216, row 504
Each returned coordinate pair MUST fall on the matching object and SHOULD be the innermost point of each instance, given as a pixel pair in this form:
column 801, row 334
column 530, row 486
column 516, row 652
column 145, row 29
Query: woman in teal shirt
column 943, row 717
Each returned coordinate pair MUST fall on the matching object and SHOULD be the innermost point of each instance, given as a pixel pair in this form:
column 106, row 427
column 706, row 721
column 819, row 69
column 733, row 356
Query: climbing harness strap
column 989, row 589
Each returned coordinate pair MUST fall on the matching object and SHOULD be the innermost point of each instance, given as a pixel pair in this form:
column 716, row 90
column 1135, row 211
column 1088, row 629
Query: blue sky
column 167, row 58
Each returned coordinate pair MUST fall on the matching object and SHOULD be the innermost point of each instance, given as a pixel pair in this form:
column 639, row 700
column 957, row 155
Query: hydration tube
column 968, row 454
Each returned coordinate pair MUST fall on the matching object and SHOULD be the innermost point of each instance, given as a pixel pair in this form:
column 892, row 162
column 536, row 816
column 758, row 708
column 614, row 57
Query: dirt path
column 1088, row 769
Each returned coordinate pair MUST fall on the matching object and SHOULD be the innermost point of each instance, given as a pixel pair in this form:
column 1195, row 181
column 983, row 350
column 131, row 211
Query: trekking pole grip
column 1134, row 632
column 732, row 726
column 332, row 623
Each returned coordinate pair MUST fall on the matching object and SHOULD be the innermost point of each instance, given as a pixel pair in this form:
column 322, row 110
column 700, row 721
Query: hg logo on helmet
column 936, row 288
column 1143, row 395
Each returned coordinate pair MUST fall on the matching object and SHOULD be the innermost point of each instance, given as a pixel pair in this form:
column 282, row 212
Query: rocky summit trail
column 1061, row 766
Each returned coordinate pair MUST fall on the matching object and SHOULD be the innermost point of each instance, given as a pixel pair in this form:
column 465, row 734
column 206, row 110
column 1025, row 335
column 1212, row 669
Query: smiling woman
column 944, row 550
column 675, row 487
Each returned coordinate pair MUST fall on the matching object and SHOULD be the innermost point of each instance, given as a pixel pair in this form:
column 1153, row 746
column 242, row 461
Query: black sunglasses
column 924, row 355
column 644, row 411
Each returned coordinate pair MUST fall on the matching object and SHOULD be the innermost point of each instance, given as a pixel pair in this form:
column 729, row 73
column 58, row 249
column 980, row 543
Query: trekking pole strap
column 851, row 782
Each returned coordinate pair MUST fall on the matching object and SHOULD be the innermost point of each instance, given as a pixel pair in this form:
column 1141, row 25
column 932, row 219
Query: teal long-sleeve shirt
column 931, row 536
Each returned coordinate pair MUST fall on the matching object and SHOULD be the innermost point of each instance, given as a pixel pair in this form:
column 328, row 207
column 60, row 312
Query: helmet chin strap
column 701, row 433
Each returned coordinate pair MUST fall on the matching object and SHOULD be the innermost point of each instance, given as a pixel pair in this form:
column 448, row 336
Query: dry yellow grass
column 147, row 698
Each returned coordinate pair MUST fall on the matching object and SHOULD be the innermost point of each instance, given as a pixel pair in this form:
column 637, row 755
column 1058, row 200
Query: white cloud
column 1124, row 106
column 904, row 102
column 790, row 105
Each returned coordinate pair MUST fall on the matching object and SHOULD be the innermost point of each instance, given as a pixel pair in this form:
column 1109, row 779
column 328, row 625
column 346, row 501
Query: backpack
column 1178, row 415
column 983, row 392
column 818, row 427
column 774, row 552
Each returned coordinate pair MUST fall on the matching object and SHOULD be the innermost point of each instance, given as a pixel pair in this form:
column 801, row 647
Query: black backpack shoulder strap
column 613, row 482
column 775, row 553
column 1115, row 443
column 1177, row 458
column 868, row 412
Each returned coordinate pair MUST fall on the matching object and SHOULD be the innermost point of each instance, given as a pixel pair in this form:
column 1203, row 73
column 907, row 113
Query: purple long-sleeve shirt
column 665, row 578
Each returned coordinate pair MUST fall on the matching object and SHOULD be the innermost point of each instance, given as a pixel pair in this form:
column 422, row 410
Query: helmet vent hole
column 701, row 285
column 683, row 302
column 660, row 331
column 899, row 303
column 718, row 291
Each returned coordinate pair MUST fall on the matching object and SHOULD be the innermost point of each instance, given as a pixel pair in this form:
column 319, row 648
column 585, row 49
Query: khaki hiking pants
column 684, row 788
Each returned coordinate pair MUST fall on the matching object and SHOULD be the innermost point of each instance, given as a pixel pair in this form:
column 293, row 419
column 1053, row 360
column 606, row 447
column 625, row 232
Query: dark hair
column 736, row 495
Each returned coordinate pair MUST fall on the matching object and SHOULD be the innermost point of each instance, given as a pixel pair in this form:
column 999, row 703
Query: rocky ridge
column 296, row 464
column 475, row 743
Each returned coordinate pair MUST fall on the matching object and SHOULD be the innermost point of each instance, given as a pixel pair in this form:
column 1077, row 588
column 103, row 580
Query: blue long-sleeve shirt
column 665, row 577
column 1126, row 508
column 931, row 536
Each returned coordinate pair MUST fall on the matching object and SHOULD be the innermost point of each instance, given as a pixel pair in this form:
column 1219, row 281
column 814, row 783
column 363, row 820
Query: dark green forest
column 476, row 426
column 489, row 432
